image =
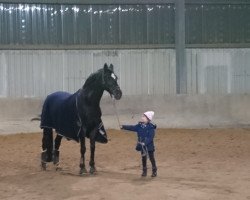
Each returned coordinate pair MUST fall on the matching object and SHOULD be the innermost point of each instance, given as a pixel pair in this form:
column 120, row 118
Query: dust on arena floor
column 192, row 164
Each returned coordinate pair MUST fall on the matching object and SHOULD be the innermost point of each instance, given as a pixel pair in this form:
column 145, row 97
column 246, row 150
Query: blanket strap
column 79, row 122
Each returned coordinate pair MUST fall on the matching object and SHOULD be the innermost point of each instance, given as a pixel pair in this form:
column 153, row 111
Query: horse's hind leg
column 58, row 140
column 47, row 146
column 56, row 152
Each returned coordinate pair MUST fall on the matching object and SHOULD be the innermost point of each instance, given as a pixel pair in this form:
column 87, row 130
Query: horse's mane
column 93, row 77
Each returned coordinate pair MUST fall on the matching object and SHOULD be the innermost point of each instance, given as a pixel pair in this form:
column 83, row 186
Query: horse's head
column 109, row 80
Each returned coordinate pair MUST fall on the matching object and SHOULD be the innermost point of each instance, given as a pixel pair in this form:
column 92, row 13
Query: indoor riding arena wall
column 218, row 81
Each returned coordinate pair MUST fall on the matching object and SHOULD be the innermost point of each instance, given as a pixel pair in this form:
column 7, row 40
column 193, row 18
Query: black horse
column 76, row 116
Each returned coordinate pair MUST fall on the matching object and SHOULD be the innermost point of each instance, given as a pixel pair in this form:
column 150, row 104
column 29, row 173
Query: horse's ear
column 105, row 67
column 111, row 67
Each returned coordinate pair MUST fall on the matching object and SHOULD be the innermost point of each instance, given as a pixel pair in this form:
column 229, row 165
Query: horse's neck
column 88, row 101
column 92, row 90
column 92, row 95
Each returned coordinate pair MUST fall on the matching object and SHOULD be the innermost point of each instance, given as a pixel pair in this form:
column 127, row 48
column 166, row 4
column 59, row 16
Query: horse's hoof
column 43, row 166
column 83, row 171
column 58, row 168
column 92, row 170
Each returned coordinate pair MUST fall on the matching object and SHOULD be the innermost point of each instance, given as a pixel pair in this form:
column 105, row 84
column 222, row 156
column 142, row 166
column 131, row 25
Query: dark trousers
column 152, row 160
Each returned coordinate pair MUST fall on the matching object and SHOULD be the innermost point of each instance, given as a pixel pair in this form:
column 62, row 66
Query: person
column 145, row 144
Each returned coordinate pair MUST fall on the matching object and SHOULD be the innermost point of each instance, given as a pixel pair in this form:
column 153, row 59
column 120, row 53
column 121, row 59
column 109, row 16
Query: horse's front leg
column 82, row 160
column 92, row 152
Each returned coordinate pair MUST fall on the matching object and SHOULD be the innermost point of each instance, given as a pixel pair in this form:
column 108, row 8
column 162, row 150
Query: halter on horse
column 76, row 116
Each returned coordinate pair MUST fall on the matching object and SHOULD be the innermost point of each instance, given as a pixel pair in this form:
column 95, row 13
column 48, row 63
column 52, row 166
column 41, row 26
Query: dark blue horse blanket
column 60, row 112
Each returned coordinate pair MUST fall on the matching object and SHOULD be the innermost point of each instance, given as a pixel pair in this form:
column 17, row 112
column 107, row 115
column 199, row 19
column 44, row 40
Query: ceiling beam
column 101, row 2
column 217, row 2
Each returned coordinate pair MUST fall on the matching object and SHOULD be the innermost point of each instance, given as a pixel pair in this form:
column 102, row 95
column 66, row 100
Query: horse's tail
column 38, row 118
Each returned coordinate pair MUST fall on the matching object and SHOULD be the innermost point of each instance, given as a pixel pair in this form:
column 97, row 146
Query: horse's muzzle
column 117, row 93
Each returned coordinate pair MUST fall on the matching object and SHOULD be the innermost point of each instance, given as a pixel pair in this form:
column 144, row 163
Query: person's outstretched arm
column 130, row 127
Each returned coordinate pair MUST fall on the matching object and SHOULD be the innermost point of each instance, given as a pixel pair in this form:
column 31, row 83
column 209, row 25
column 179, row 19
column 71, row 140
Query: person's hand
column 155, row 126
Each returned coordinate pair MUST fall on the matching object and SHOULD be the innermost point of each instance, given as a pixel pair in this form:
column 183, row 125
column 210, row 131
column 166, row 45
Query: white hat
column 149, row 115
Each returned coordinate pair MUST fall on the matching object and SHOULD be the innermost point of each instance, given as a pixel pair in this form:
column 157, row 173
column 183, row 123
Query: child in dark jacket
column 145, row 144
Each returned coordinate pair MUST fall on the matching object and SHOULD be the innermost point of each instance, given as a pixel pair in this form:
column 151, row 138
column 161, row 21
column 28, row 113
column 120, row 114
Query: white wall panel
column 162, row 72
column 26, row 73
column 218, row 71
column 3, row 75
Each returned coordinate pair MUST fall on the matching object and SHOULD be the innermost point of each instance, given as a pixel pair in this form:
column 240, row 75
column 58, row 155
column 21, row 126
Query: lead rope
column 144, row 150
column 116, row 113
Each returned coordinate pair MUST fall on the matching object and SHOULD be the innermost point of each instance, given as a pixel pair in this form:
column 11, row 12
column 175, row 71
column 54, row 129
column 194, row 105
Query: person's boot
column 154, row 172
column 144, row 172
